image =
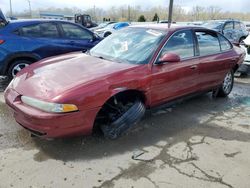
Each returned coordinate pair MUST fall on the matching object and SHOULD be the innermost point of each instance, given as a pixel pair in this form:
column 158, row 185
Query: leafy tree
column 141, row 18
column 155, row 18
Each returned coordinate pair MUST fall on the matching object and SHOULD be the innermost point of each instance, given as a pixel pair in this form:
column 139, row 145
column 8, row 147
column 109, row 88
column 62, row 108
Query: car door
column 76, row 38
column 228, row 31
column 172, row 80
column 41, row 38
column 213, row 58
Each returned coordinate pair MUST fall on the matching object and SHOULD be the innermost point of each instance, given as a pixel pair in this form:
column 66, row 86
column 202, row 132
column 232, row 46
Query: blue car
column 23, row 42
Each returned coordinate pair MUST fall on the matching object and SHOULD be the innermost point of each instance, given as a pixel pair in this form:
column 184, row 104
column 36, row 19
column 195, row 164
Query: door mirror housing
column 169, row 58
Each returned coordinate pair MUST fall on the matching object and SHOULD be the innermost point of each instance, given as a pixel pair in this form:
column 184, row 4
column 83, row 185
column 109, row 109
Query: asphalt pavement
column 201, row 142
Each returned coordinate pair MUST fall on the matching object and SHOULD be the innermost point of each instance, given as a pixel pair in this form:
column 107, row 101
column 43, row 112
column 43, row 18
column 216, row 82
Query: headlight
column 47, row 106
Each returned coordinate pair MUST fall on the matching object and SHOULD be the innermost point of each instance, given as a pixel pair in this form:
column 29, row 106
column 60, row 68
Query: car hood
column 52, row 77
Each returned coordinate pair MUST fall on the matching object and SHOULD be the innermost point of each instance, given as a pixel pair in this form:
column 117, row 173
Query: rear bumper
column 50, row 125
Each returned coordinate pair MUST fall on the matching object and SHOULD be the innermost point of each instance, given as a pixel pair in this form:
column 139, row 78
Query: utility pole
column 30, row 8
column 129, row 13
column 11, row 9
column 95, row 14
column 170, row 12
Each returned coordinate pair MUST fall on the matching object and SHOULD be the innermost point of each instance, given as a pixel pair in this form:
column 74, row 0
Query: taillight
column 1, row 41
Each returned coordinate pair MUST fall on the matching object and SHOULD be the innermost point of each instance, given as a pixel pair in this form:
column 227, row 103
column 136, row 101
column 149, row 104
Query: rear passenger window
column 208, row 43
column 31, row 31
column 181, row 43
column 45, row 30
column 224, row 43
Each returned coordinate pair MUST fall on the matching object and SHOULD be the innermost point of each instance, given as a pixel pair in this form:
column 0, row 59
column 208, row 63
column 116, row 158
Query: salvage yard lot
column 202, row 142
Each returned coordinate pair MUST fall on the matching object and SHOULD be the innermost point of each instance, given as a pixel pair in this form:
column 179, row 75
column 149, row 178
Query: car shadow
column 174, row 124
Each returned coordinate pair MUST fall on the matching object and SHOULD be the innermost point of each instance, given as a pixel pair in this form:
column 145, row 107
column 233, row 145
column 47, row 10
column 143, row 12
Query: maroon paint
column 89, row 82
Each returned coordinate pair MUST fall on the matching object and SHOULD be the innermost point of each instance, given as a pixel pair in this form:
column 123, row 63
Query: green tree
column 155, row 18
column 141, row 18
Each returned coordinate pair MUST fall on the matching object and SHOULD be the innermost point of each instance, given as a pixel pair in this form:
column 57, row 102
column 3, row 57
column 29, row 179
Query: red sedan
column 109, row 87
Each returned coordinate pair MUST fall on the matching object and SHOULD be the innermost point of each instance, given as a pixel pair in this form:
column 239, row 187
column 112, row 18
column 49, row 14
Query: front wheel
column 227, row 85
column 16, row 67
column 117, row 116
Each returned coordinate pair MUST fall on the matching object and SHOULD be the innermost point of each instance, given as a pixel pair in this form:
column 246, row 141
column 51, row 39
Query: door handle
column 193, row 67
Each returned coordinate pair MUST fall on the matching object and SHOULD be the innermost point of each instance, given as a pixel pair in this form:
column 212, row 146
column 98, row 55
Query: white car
column 109, row 29
column 245, row 66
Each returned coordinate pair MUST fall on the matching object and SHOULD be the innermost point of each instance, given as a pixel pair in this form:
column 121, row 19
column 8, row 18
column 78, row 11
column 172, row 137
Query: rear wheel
column 118, row 115
column 16, row 67
column 227, row 85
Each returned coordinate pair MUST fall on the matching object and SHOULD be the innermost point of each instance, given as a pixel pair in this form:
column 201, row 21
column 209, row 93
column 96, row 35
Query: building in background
column 48, row 15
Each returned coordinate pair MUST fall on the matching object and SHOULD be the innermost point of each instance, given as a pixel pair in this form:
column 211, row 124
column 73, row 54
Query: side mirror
column 169, row 58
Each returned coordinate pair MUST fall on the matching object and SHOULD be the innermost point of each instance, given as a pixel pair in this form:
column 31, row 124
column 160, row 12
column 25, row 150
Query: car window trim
column 183, row 59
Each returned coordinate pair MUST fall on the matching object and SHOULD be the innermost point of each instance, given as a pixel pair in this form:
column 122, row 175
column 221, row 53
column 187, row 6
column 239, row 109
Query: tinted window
column 208, row 43
column 228, row 26
column 224, row 43
column 31, row 31
column 181, row 43
column 47, row 30
column 74, row 32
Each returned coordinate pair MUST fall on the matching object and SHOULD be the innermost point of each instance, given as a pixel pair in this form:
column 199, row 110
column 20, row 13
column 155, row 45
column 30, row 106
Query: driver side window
column 181, row 43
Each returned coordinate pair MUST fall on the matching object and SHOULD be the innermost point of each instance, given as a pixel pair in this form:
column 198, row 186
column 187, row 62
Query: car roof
column 224, row 20
column 164, row 27
column 36, row 21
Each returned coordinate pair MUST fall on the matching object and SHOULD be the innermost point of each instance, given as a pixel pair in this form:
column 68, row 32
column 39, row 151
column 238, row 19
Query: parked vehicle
column 23, row 42
column 101, row 25
column 109, row 88
column 84, row 20
column 109, row 29
column 234, row 30
column 248, row 27
column 245, row 66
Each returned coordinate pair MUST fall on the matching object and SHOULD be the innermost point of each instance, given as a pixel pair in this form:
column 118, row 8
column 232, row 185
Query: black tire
column 12, row 71
column 129, row 118
column 107, row 34
column 227, row 85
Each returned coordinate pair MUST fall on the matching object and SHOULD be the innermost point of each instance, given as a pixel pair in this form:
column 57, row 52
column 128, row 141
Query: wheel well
column 32, row 60
column 124, row 96
column 130, row 95
column 107, row 33
column 242, row 38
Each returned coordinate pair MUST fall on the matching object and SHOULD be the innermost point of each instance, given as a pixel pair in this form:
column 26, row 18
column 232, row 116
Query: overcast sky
column 226, row 5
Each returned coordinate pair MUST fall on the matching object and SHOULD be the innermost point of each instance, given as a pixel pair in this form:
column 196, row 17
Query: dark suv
column 23, row 42
column 234, row 30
